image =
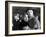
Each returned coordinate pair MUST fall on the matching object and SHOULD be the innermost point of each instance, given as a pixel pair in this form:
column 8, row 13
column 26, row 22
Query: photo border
column 6, row 18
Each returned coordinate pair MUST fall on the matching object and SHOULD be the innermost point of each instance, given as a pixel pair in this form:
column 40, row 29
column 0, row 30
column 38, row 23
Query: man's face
column 30, row 13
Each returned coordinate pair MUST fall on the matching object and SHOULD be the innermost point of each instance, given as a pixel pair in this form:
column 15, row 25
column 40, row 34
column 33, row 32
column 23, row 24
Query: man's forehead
column 30, row 10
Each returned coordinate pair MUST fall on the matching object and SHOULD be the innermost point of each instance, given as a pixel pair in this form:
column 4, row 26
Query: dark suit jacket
column 19, row 25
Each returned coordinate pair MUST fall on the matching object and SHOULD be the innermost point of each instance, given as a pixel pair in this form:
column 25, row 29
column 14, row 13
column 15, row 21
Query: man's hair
column 34, row 11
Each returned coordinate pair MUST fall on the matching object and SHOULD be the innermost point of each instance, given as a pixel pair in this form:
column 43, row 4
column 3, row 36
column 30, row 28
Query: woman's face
column 16, row 17
column 26, row 17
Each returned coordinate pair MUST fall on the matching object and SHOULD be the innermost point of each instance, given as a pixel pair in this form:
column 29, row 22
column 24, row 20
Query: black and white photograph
column 24, row 18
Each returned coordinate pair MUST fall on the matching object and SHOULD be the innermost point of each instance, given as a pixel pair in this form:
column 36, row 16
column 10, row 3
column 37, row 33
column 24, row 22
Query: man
column 29, row 18
column 32, row 20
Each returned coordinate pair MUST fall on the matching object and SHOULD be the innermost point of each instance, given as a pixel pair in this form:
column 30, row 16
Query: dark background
column 22, row 11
